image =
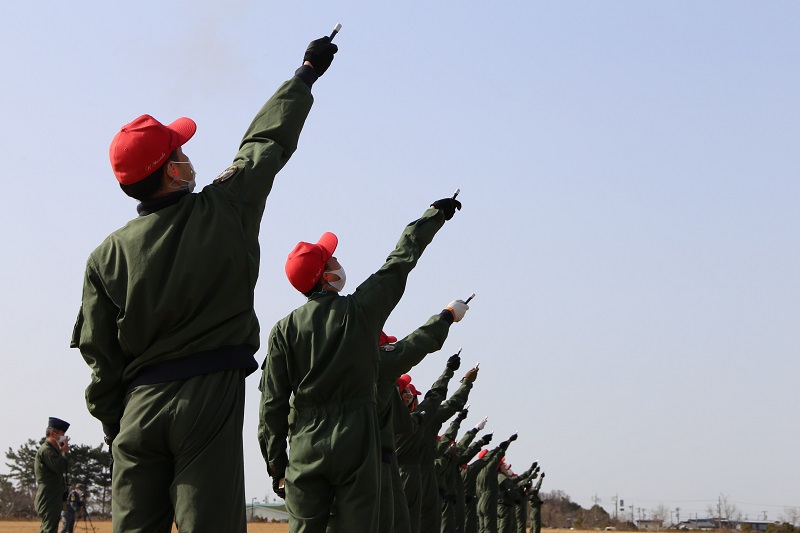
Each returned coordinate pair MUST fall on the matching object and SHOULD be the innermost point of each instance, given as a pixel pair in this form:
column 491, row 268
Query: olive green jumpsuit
column 536, row 506
column 431, row 509
column 409, row 447
column 486, row 489
column 168, row 327
column 394, row 361
column 320, row 371
column 50, row 469
column 507, row 499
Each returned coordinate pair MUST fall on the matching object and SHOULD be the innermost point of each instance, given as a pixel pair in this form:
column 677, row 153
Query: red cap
column 413, row 389
column 403, row 381
column 144, row 145
column 482, row 453
column 306, row 263
column 387, row 339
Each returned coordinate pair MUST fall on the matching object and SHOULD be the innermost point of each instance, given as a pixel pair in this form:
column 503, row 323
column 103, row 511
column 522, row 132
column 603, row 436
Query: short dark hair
column 145, row 188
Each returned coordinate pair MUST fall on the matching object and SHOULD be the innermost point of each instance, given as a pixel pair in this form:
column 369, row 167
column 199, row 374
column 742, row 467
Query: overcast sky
column 629, row 175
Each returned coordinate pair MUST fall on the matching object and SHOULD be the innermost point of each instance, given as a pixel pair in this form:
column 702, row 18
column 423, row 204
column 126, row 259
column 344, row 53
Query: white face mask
column 180, row 184
column 338, row 284
column 61, row 439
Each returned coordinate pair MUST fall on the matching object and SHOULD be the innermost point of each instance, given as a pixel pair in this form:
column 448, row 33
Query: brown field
column 105, row 527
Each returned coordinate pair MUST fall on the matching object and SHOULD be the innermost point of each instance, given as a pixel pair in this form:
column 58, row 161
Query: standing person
column 430, row 513
column 50, row 469
column 320, row 371
column 523, row 483
column 507, row 499
column 410, row 444
column 536, row 506
column 487, row 487
column 167, row 321
column 453, row 482
column 74, row 508
column 395, row 358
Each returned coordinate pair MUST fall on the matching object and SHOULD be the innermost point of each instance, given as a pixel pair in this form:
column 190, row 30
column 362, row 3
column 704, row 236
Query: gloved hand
column 512, row 438
column 462, row 414
column 278, row 487
column 482, row 424
column 447, row 206
column 320, row 54
column 542, row 475
column 458, row 308
column 471, row 375
column 486, row 439
column 453, row 362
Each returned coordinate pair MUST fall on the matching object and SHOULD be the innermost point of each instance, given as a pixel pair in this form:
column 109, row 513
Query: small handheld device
column 335, row 31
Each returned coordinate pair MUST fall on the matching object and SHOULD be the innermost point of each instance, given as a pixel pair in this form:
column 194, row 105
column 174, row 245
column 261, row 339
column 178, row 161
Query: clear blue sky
column 629, row 174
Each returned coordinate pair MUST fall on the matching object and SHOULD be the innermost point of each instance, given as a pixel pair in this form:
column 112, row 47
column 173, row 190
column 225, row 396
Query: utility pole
column 678, row 514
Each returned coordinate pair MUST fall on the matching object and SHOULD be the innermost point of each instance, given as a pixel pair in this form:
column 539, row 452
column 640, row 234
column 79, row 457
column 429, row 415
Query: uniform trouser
column 68, row 520
column 334, row 455
column 521, row 512
column 448, row 520
column 471, row 515
column 386, row 521
column 412, row 487
column 536, row 519
column 402, row 519
column 506, row 518
column 460, row 507
column 179, row 456
column 430, row 511
column 48, row 507
column 487, row 512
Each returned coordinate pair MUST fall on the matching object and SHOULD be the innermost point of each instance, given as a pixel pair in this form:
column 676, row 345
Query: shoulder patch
column 387, row 348
column 226, row 174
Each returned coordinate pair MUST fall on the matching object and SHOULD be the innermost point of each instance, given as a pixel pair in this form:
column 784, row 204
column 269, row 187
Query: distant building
column 707, row 524
column 650, row 525
column 270, row 512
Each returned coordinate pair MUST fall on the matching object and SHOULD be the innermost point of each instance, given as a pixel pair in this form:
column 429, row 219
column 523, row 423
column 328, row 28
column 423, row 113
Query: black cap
column 57, row 423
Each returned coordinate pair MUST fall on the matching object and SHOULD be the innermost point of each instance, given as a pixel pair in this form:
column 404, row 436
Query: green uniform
column 409, row 447
column 431, row 507
column 454, row 483
column 50, row 468
column 321, row 368
column 447, row 472
column 522, row 481
column 507, row 497
column 395, row 360
column 536, row 506
column 168, row 327
column 486, row 490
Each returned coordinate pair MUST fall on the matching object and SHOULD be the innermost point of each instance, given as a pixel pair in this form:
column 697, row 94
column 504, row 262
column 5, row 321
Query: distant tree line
column 90, row 465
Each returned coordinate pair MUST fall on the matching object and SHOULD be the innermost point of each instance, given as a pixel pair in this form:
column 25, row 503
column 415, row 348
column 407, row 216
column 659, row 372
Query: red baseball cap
column 413, row 389
column 403, row 381
column 306, row 263
column 143, row 145
column 482, row 453
column 386, row 339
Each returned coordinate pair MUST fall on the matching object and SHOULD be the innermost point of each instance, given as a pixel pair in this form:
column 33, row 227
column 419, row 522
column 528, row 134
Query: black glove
column 462, row 414
column 320, row 54
column 512, row 438
column 277, row 489
column 486, row 439
column 447, row 206
column 109, row 433
column 453, row 362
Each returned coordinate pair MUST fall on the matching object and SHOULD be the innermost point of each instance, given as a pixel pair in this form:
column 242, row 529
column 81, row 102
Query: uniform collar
column 151, row 206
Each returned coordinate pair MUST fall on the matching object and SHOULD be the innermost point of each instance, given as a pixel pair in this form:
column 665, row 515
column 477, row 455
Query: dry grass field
column 105, row 527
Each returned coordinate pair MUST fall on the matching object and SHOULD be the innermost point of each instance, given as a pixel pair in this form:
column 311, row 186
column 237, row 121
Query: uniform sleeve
column 276, row 392
column 468, row 437
column 452, row 430
column 413, row 348
column 267, row 145
column 96, row 336
column 437, row 392
column 381, row 292
column 471, row 451
column 455, row 403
